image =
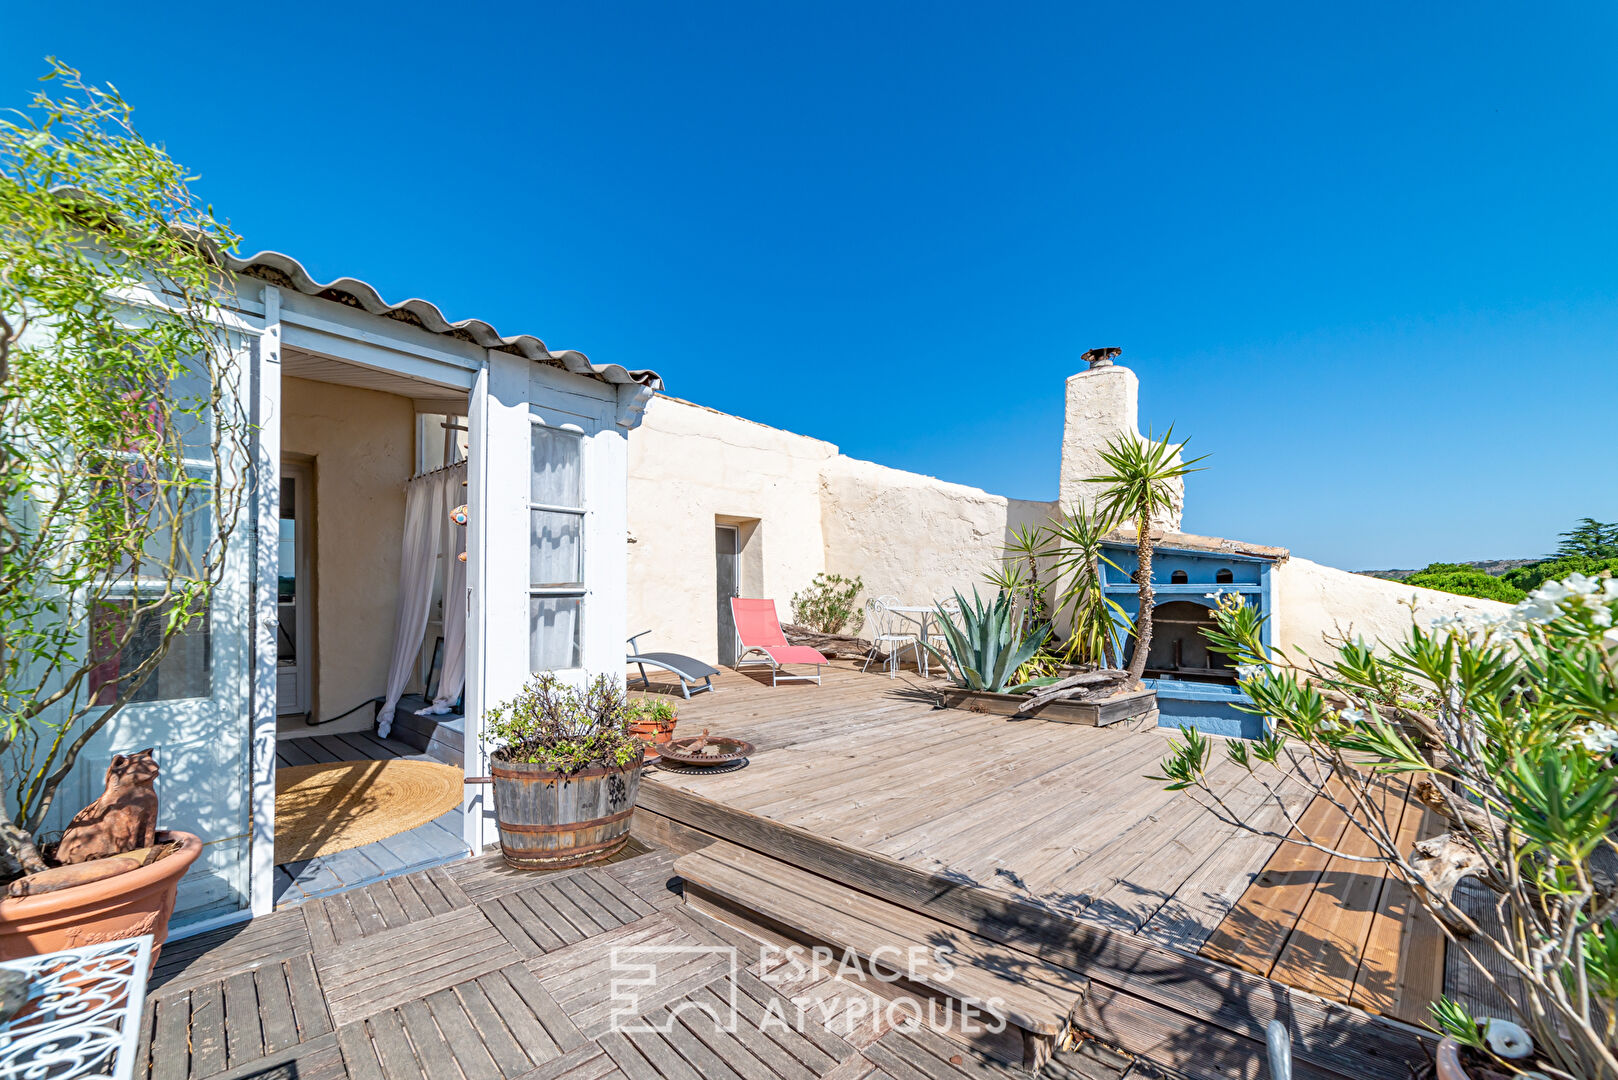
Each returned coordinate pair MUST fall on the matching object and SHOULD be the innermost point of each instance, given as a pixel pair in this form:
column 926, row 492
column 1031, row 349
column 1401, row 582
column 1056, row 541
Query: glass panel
column 555, row 548
column 185, row 672
column 167, row 505
column 553, row 632
column 191, row 410
column 557, row 472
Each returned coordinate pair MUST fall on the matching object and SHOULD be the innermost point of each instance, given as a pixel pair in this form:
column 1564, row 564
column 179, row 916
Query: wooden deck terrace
column 474, row 971
column 1185, row 935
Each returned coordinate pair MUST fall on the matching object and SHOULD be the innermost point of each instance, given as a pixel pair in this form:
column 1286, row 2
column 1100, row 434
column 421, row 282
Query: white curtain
column 452, row 670
column 426, row 509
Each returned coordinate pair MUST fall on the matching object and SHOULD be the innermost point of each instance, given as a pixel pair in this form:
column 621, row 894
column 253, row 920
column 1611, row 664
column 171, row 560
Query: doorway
column 727, row 578
column 294, row 598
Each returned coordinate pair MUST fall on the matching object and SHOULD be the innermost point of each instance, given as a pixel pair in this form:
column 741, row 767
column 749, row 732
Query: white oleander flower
column 1600, row 738
column 1580, row 585
column 1249, row 671
column 1351, row 716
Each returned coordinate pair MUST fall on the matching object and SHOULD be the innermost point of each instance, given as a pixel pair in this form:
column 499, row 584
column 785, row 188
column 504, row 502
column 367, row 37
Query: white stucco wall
column 363, row 448
column 804, row 508
column 913, row 536
column 1315, row 604
column 801, row 508
column 690, row 466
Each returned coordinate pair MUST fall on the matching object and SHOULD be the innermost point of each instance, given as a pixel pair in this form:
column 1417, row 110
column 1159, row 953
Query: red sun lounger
column 759, row 631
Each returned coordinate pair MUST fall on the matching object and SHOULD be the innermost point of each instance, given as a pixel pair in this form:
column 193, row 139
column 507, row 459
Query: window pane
column 190, row 410
column 556, row 467
column 158, row 508
column 553, row 632
column 555, row 548
column 185, row 672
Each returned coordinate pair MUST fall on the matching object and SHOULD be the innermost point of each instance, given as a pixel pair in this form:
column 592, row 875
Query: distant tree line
column 1589, row 548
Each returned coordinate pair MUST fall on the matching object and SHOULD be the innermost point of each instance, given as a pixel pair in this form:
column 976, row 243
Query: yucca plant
column 1074, row 547
column 987, row 644
column 1139, row 486
column 1018, row 575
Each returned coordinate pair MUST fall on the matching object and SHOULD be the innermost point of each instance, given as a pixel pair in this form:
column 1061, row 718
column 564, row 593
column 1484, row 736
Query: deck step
column 441, row 737
column 1029, row 994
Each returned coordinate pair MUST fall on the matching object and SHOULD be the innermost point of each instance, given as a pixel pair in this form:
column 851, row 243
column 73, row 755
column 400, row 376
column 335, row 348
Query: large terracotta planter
column 139, row 902
column 548, row 821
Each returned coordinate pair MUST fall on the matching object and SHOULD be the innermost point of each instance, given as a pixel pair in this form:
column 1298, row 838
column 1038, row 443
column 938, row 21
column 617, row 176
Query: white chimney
column 1102, row 403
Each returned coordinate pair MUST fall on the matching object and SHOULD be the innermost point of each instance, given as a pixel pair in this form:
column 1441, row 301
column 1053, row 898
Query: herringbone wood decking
column 473, row 971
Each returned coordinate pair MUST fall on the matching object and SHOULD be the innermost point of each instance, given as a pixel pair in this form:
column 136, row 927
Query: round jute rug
column 321, row 809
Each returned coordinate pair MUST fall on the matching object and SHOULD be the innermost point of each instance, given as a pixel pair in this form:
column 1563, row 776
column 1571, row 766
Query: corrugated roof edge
column 1193, row 542
column 283, row 270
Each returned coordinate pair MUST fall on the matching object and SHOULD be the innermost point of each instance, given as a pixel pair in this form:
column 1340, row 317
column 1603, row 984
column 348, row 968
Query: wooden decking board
column 1257, row 928
column 387, row 969
column 1196, row 1049
column 1133, row 853
column 241, row 947
column 1376, row 983
column 1323, row 954
column 1037, row 995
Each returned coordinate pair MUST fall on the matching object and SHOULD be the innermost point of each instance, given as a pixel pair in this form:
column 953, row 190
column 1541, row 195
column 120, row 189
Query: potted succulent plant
column 566, row 771
column 652, row 721
column 111, row 541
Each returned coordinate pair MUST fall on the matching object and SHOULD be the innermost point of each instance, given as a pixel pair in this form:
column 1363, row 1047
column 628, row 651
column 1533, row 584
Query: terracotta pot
column 653, row 731
column 652, row 734
column 139, row 902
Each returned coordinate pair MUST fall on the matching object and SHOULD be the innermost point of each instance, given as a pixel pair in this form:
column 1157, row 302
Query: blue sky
column 1366, row 257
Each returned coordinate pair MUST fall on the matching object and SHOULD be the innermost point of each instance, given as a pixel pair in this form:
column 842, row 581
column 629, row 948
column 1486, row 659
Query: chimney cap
column 1102, row 357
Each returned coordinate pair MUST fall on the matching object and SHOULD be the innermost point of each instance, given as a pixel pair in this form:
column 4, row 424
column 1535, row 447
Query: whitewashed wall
column 1316, row 605
column 688, row 467
column 913, row 536
column 816, row 510
column 905, row 534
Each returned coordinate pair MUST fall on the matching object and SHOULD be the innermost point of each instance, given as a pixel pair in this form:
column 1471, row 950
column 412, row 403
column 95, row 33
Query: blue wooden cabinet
column 1196, row 686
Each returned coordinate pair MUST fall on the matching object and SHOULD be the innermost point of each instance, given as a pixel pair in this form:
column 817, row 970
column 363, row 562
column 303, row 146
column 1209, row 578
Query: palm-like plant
column 1139, row 485
column 1018, row 575
column 1074, row 547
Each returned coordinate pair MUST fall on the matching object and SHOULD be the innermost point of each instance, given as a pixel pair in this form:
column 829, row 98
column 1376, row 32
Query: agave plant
column 987, row 645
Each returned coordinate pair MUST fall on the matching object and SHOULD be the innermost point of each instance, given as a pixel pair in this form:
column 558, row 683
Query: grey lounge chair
column 687, row 669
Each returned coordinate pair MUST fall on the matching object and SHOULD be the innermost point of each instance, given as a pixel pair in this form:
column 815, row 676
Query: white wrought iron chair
column 951, row 607
column 889, row 628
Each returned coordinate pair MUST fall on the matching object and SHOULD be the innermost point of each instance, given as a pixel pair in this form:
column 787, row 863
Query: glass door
column 294, row 659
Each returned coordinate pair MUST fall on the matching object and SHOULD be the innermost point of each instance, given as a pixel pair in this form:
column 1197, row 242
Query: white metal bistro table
column 83, row 1012
column 923, row 617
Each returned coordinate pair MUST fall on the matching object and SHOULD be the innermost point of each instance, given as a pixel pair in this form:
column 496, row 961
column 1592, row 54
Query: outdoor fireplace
column 1195, row 683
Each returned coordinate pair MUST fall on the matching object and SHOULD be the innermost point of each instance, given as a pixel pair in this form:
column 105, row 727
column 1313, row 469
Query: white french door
column 193, row 711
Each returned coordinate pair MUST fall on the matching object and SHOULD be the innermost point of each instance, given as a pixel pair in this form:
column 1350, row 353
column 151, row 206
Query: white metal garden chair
column 949, row 607
column 891, row 629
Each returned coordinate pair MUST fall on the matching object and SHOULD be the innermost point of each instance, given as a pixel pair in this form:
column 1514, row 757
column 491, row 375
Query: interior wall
column 362, row 444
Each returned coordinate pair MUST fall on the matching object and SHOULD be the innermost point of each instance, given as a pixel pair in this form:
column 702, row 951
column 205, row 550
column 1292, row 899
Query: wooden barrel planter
column 549, row 821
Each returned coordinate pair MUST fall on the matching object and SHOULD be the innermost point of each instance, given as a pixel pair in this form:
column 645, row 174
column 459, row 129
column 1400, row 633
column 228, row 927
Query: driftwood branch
column 832, row 646
column 1085, row 687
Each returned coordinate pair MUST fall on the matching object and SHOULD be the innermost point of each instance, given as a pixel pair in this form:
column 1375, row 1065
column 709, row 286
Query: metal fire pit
column 705, row 753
